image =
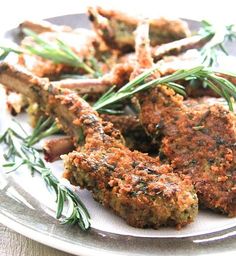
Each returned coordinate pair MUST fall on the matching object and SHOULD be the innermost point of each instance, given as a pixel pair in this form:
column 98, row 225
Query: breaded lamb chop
column 137, row 187
column 129, row 126
column 116, row 28
column 198, row 140
column 197, row 137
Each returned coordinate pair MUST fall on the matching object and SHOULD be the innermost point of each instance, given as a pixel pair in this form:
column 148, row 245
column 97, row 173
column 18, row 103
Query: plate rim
column 43, row 238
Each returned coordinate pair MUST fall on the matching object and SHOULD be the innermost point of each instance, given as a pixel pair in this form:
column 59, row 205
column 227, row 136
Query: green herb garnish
column 58, row 52
column 45, row 127
column 220, row 35
column 4, row 51
column 220, row 85
column 21, row 153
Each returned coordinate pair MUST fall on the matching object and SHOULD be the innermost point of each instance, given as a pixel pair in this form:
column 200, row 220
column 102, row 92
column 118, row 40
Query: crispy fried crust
column 128, row 181
column 199, row 140
column 129, row 126
column 134, row 185
column 116, row 28
column 39, row 91
column 119, row 74
column 133, row 132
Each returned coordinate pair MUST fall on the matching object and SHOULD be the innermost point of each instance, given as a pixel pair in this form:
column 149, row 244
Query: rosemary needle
column 4, row 51
column 220, row 35
column 220, row 85
column 58, row 52
column 21, row 153
column 44, row 128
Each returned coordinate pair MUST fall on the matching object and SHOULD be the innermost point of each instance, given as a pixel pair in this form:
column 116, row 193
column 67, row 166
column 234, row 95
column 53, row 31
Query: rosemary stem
column 86, row 68
column 19, row 148
column 132, row 88
column 52, row 130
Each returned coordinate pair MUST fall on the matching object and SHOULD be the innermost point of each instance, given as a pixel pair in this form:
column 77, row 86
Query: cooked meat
column 80, row 42
column 43, row 26
column 83, row 86
column 142, row 45
column 129, row 126
column 133, row 132
column 119, row 74
column 143, row 58
column 179, row 46
column 94, row 87
column 43, row 67
column 16, row 78
column 198, row 140
column 116, row 28
column 123, row 123
column 56, row 147
column 192, row 58
column 134, row 185
column 16, row 102
column 119, row 178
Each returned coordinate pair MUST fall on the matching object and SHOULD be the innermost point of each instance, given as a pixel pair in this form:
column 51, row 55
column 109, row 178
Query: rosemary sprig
column 58, row 52
column 111, row 97
column 4, row 51
column 209, row 58
column 45, row 127
column 21, row 153
column 220, row 36
column 220, row 85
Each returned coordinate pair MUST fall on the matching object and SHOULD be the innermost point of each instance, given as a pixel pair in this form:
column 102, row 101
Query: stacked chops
column 191, row 143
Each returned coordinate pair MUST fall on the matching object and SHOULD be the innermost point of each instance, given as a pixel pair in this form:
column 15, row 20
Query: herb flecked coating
column 198, row 138
column 137, row 187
